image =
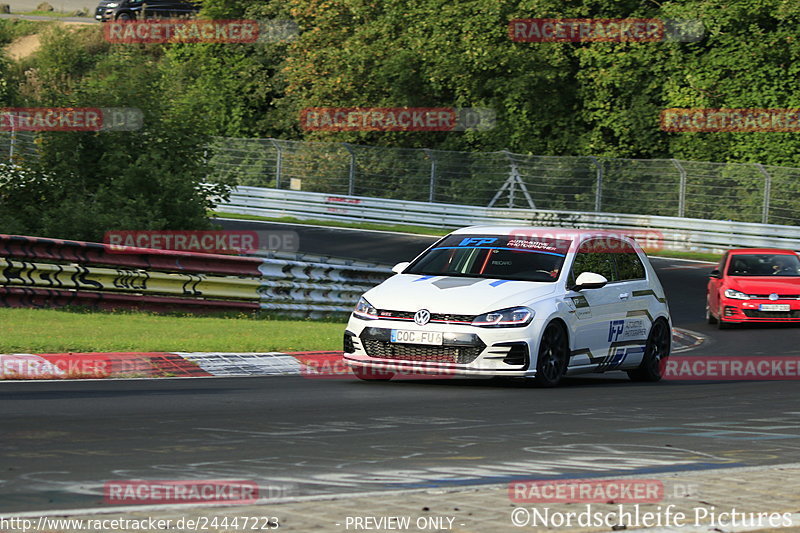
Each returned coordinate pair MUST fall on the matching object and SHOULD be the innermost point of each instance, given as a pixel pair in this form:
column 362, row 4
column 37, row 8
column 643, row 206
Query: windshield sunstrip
column 505, row 257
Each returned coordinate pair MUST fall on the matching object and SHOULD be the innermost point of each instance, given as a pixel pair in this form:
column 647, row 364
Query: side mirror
column 399, row 267
column 589, row 280
column 715, row 274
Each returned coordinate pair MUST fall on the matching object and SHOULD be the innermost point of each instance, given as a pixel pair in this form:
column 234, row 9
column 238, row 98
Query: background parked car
column 138, row 9
column 754, row 285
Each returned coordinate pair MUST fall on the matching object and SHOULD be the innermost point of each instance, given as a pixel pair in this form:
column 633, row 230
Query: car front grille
column 752, row 313
column 422, row 352
column 458, row 348
column 780, row 296
column 444, row 318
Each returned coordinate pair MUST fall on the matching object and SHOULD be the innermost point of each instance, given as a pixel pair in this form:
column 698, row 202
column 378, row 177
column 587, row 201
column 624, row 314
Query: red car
column 754, row 285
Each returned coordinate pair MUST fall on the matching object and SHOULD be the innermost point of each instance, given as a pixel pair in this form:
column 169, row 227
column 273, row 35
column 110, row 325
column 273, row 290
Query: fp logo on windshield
column 469, row 241
column 422, row 317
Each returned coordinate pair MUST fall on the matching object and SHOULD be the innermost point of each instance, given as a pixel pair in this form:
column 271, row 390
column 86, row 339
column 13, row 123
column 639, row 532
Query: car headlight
column 513, row 317
column 736, row 295
column 112, row 5
column 365, row 310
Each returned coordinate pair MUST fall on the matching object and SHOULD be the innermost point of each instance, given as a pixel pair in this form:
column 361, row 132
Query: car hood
column 765, row 285
column 458, row 295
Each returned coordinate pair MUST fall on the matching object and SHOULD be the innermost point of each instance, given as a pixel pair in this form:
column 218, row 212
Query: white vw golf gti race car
column 541, row 303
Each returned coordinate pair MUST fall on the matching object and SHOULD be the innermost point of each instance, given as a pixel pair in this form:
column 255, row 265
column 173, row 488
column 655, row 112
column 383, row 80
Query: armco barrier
column 57, row 250
column 678, row 233
column 39, row 272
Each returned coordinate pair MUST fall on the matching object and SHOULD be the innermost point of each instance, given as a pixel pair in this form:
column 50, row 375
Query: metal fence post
column 351, row 182
column 598, row 192
column 767, row 193
column 682, row 189
column 12, row 138
column 278, row 163
column 432, row 186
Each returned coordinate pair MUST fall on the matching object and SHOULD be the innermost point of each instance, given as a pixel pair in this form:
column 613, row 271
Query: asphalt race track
column 60, row 441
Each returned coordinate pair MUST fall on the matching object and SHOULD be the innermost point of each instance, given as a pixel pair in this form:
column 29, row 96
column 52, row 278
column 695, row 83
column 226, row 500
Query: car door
column 597, row 312
column 714, row 284
column 636, row 299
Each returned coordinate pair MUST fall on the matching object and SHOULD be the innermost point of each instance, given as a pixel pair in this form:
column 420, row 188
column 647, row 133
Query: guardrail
column 744, row 192
column 686, row 234
column 40, row 272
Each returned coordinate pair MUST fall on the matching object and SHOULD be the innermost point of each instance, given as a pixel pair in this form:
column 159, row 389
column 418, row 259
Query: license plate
column 774, row 307
column 405, row 336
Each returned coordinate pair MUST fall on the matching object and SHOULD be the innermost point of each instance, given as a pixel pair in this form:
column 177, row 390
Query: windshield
column 494, row 256
column 764, row 265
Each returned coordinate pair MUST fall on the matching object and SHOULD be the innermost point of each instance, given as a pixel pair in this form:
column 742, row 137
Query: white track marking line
column 325, row 497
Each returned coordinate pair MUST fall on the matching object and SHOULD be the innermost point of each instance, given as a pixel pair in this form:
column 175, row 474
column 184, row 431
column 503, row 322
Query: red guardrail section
column 38, row 249
column 93, row 253
column 107, row 301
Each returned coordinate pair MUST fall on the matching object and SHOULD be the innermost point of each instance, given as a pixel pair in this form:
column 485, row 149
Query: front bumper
column 747, row 311
column 466, row 350
column 104, row 14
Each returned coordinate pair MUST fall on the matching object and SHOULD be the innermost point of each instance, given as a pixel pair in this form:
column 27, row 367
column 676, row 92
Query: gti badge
column 422, row 317
column 773, row 296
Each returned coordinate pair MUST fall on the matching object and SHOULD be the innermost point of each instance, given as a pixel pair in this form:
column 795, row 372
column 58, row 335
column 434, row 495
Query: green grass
column 11, row 29
column 44, row 13
column 420, row 230
column 699, row 256
column 47, row 331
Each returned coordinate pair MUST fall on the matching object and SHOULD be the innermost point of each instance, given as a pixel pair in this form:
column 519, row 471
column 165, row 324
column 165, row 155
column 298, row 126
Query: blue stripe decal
column 423, row 278
column 496, row 248
column 499, row 282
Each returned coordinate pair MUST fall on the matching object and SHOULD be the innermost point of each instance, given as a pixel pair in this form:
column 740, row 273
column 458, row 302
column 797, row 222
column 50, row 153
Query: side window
column 588, row 260
column 721, row 265
column 629, row 266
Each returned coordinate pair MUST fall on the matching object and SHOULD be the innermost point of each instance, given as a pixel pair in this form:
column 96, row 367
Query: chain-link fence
column 16, row 145
column 668, row 187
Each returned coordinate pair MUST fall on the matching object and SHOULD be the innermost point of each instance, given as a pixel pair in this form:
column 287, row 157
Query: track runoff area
column 300, row 452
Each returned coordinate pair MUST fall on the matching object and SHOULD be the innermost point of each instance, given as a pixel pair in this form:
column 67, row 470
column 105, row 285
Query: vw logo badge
column 422, row 317
column 773, row 296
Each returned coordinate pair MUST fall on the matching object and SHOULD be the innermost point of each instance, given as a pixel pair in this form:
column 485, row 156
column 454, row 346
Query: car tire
column 710, row 318
column 553, row 358
column 371, row 374
column 656, row 350
column 125, row 17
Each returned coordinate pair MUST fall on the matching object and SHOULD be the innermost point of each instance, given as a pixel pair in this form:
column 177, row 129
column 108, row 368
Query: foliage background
column 577, row 99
